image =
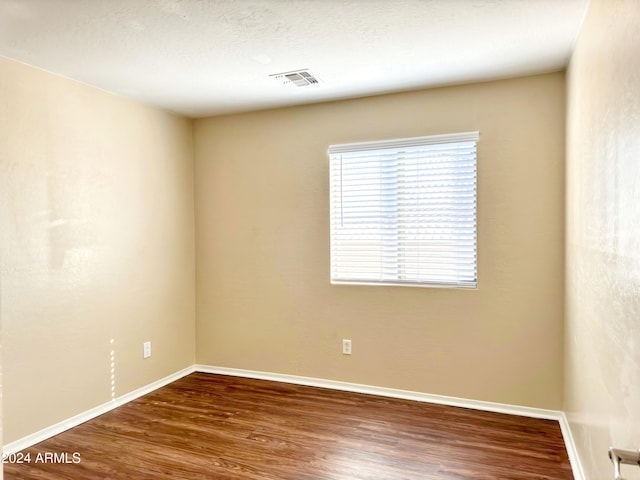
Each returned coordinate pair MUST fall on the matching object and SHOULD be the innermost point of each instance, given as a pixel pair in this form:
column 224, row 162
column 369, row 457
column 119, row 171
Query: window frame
column 431, row 141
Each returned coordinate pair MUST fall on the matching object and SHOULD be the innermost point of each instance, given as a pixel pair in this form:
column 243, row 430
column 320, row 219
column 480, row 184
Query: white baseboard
column 76, row 420
column 572, row 451
column 386, row 392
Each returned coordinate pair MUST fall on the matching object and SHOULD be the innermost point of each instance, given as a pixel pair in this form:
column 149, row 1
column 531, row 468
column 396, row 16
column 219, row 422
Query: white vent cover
column 297, row 78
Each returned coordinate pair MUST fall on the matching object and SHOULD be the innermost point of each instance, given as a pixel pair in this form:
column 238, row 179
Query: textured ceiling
column 206, row 57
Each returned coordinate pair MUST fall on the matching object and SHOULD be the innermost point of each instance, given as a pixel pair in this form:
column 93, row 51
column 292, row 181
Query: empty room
column 320, row 239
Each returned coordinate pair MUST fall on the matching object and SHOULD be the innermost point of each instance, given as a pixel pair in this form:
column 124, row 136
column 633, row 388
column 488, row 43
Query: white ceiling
column 206, row 57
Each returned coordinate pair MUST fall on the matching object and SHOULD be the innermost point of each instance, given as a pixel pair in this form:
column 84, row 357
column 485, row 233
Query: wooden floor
column 217, row 427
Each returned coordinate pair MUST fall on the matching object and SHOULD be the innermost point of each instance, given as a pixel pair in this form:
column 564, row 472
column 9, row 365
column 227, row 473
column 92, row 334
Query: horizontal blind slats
column 404, row 212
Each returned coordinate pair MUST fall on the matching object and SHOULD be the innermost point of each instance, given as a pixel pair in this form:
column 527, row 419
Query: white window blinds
column 403, row 212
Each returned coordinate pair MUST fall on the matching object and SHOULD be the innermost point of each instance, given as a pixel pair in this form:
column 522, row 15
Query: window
column 403, row 212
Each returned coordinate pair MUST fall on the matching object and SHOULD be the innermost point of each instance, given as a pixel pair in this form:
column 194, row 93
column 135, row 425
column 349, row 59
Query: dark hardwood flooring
column 208, row 426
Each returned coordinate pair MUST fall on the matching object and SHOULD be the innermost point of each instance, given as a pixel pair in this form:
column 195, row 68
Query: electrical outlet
column 146, row 350
column 346, row 346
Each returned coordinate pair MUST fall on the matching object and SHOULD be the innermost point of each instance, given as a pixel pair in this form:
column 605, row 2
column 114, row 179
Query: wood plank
column 207, row 426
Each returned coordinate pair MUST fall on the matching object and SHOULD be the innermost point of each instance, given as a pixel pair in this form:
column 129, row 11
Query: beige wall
column 97, row 243
column 264, row 301
column 602, row 347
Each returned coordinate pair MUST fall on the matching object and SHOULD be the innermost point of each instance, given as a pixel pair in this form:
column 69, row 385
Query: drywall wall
column 264, row 301
column 4, row 127
column 97, row 246
column 602, row 337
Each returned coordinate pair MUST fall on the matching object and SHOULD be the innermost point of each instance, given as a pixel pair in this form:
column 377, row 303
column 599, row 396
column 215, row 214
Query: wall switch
column 346, row 346
column 146, row 350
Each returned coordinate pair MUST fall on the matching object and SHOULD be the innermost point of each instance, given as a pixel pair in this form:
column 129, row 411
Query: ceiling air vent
column 298, row 78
